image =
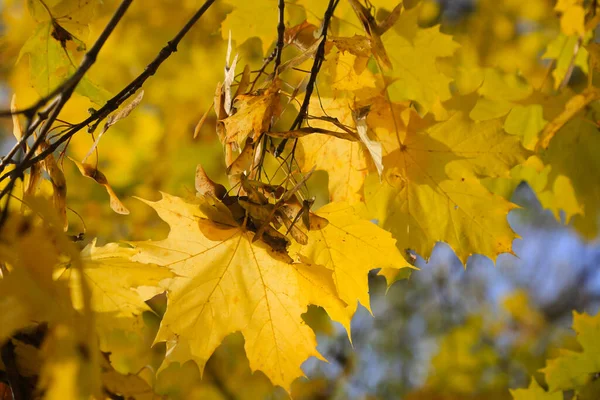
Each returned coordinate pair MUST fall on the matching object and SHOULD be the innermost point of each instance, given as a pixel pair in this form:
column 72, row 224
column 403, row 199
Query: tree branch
column 280, row 33
column 316, row 67
column 67, row 89
column 110, row 105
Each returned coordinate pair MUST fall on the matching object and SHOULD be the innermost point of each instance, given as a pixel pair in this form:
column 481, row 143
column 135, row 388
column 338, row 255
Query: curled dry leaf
column 358, row 45
column 302, row 35
column 229, row 77
column 300, row 58
column 371, row 28
column 206, row 186
column 35, row 172
column 114, row 118
column 17, row 128
column 373, row 146
column 252, row 115
column 91, row 172
column 59, row 185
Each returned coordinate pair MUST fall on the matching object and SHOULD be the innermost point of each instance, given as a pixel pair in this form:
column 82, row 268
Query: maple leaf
column 415, row 74
column 28, row 292
column 226, row 283
column 567, row 52
column 252, row 116
column 113, row 278
column 534, row 392
column 431, row 190
column 51, row 60
column 348, row 71
column 526, row 122
column 555, row 192
column 31, row 296
column 499, row 93
column 573, row 369
column 345, row 161
column 351, row 246
column 572, row 18
column 256, row 19
column 572, row 155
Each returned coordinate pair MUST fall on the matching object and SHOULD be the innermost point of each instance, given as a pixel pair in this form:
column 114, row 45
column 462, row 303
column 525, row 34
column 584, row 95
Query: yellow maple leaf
column 534, row 392
column 499, row 91
column 345, row 161
column 251, row 19
column 526, row 122
column 225, row 283
column 113, row 278
column 30, row 296
column 573, row 369
column 348, row 71
column 572, row 18
column 568, row 53
column 431, row 190
column 351, row 246
column 572, row 153
column 555, row 192
column 414, row 53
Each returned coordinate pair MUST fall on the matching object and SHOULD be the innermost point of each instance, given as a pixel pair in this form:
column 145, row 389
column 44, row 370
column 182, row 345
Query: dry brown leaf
column 206, row 186
column 89, row 171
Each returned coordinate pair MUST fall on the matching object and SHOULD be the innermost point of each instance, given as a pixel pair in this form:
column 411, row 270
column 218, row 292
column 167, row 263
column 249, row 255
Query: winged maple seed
column 262, row 208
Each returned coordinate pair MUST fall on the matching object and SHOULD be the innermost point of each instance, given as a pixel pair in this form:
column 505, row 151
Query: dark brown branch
column 280, row 34
column 64, row 91
column 88, row 60
column 110, row 105
column 127, row 92
column 316, row 67
column 68, row 88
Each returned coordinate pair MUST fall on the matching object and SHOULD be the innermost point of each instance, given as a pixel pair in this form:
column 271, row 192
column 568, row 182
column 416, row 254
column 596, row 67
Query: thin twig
column 110, row 105
column 68, row 88
column 316, row 67
column 280, row 34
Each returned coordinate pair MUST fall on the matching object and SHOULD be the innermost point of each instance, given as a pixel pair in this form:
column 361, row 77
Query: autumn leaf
column 252, row 116
column 415, row 74
column 534, row 392
column 345, row 161
column 555, row 192
column 572, row 16
column 50, row 64
column 499, row 93
column 30, row 295
column 226, row 283
column 251, row 19
column 113, row 280
column 573, row 369
column 431, row 191
column 572, row 155
column 568, row 53
column 351, row 247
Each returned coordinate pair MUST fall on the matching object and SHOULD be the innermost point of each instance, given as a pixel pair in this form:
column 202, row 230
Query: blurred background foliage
column 445, row 333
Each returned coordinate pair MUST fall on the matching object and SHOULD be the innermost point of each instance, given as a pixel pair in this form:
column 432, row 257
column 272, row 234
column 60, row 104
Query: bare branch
column 104, row 111
column 316, row 67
